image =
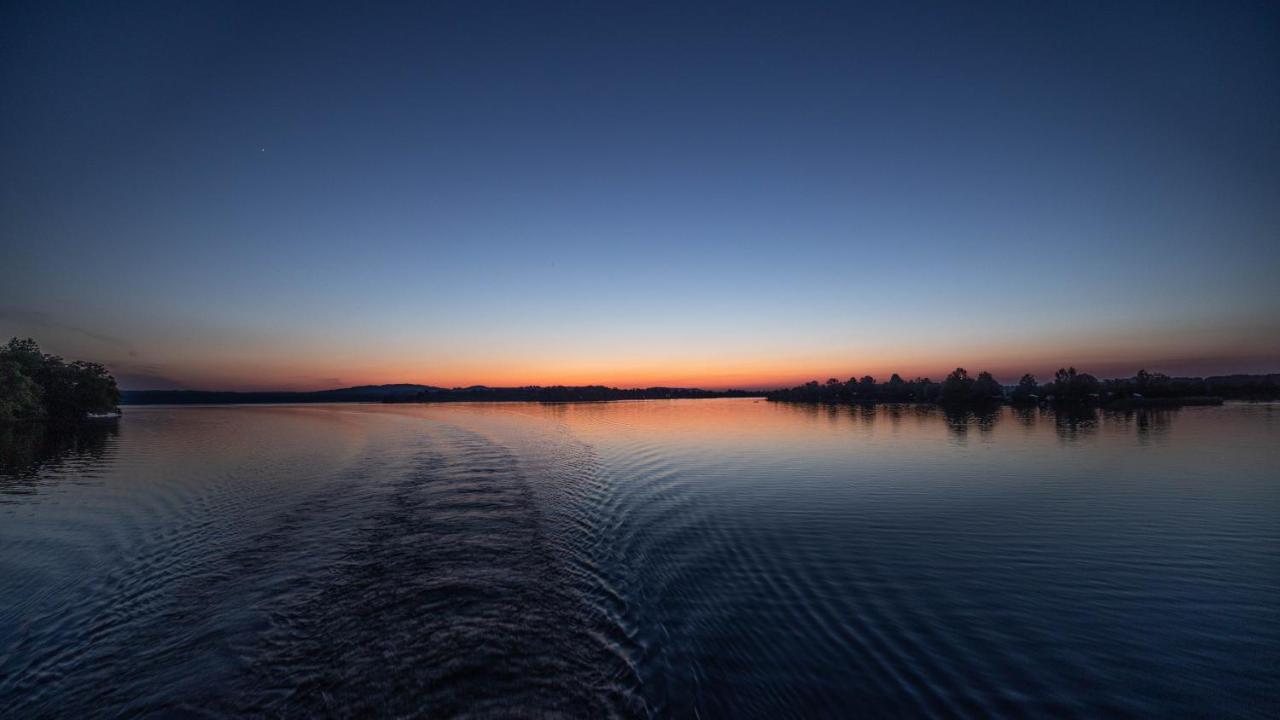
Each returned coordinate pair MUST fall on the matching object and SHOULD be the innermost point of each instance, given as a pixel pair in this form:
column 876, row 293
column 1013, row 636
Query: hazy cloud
column 128, row 380
column 35, row 319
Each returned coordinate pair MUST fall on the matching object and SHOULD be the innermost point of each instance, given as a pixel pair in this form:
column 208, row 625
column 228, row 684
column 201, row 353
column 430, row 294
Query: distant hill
column 382, row 390
column 1243, row 380
column 360, row 393
column 563, row 393
column 406, row 393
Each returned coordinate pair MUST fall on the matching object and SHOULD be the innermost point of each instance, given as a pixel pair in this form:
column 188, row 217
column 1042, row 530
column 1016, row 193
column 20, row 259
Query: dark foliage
column 865, row 390
column 957, row 388
column 1028, row 390
column 1155, row 388
column 35, row 386
column 960, row 390
column 362, row 393
column 1145, row 388
column 1068, row 388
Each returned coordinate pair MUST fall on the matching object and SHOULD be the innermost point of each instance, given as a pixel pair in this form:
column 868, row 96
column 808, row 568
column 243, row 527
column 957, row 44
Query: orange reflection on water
column 897, row 432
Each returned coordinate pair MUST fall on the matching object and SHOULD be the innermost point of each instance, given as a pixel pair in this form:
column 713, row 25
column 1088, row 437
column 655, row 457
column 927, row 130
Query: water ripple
column 681, row 559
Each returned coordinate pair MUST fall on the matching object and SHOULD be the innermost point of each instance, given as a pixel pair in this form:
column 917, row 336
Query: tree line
column 1068, row 387
column 1146, row 388
column 958, row 388
column 38, row 386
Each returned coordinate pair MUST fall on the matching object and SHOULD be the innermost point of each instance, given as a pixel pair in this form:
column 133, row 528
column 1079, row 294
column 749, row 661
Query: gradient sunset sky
column 222, row 196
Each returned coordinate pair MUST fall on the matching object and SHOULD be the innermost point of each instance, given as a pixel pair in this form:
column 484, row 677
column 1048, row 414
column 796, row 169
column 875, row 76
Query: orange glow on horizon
column 689, row 373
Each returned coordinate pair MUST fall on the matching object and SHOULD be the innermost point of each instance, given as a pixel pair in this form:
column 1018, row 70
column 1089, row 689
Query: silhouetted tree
column 1070, row 386
column 1027, row 390
column 26, row 354
column 957, row 389
column 925, row 390
column 19, row 394
column 33, row 385
column 986, row 389
column 895, row 390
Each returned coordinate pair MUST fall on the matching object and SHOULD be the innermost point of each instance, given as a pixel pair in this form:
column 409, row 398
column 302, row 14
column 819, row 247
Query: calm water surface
column 673, row 559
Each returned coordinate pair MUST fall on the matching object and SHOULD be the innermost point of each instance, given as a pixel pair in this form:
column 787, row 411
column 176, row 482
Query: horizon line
column 765, row 387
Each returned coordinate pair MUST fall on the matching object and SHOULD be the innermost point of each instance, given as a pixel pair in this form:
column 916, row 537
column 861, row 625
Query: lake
column 712, row 558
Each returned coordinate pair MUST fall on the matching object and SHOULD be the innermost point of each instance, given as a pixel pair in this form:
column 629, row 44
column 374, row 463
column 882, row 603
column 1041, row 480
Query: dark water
column 673, row 559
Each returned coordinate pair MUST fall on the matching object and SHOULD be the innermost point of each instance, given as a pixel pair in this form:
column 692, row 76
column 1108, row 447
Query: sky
column 232, row 196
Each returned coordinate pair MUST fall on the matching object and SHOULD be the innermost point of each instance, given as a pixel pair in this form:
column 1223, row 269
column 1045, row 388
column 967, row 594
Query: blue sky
column 231, row 196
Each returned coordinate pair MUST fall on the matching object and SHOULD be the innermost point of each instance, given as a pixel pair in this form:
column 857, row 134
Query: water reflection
column 1027, row 417
column 1075, row 423
column 28, row 448
column 1069, row 424
column 723, row 558
column 1150, row 425
column 982, row 419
